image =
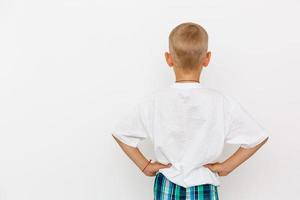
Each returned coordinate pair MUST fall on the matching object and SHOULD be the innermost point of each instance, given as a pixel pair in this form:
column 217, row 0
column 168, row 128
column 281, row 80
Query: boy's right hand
column 153, row 168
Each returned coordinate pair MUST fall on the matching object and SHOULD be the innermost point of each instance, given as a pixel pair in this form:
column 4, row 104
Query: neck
column 193, row 76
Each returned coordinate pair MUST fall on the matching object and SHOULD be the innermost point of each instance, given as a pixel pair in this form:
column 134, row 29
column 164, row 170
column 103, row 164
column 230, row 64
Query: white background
column 70, row 69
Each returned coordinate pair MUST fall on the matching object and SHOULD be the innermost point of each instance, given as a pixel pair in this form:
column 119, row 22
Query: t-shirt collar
column 186, row 85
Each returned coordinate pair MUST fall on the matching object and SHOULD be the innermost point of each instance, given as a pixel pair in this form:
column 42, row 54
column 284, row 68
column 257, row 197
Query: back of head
column 188, row 43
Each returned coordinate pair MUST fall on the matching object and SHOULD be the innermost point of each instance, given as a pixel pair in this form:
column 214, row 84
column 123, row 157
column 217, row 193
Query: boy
column 188, row 124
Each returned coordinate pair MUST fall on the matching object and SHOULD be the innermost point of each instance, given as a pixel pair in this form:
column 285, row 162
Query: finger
column 161, row 164
column 211, row 167
column 153, row 173
column 165, row 166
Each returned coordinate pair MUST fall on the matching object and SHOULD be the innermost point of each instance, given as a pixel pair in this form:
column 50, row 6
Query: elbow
column 265, row 140
column 114, row 136
column 116, row 139
column 261, row 143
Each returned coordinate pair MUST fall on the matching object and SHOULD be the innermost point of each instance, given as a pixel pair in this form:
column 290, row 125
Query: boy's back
column 188, row 124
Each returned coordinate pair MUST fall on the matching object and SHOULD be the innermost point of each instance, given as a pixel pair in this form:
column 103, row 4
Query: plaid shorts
column 164, row 189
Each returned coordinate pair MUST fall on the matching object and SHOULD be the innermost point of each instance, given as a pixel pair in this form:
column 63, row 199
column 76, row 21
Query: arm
column 134, row 154
column 139, row 159
column 236, row 159
column 240, row 156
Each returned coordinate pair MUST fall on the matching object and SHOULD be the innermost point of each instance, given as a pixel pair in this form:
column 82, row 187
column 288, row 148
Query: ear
column 169, row 59
column 206, row 59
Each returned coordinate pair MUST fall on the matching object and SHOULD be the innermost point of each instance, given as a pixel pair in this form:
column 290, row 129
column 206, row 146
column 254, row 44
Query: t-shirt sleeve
column 134, row 125
column 242, row 128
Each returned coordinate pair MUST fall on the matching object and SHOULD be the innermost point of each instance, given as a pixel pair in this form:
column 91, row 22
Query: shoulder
column 228, row 100
column 147, row 100
column 167, row 91
column 216, row 93
column 157, row 93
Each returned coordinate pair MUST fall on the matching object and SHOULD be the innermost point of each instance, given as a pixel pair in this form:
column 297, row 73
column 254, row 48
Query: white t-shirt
column 188, row 124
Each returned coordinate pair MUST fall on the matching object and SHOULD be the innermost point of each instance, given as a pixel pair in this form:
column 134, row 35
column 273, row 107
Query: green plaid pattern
column 164, row 189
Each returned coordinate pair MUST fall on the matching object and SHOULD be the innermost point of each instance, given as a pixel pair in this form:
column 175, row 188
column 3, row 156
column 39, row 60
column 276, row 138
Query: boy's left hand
column 152, row 168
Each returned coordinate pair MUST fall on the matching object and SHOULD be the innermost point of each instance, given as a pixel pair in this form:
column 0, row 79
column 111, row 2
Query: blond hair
column 188, row 44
